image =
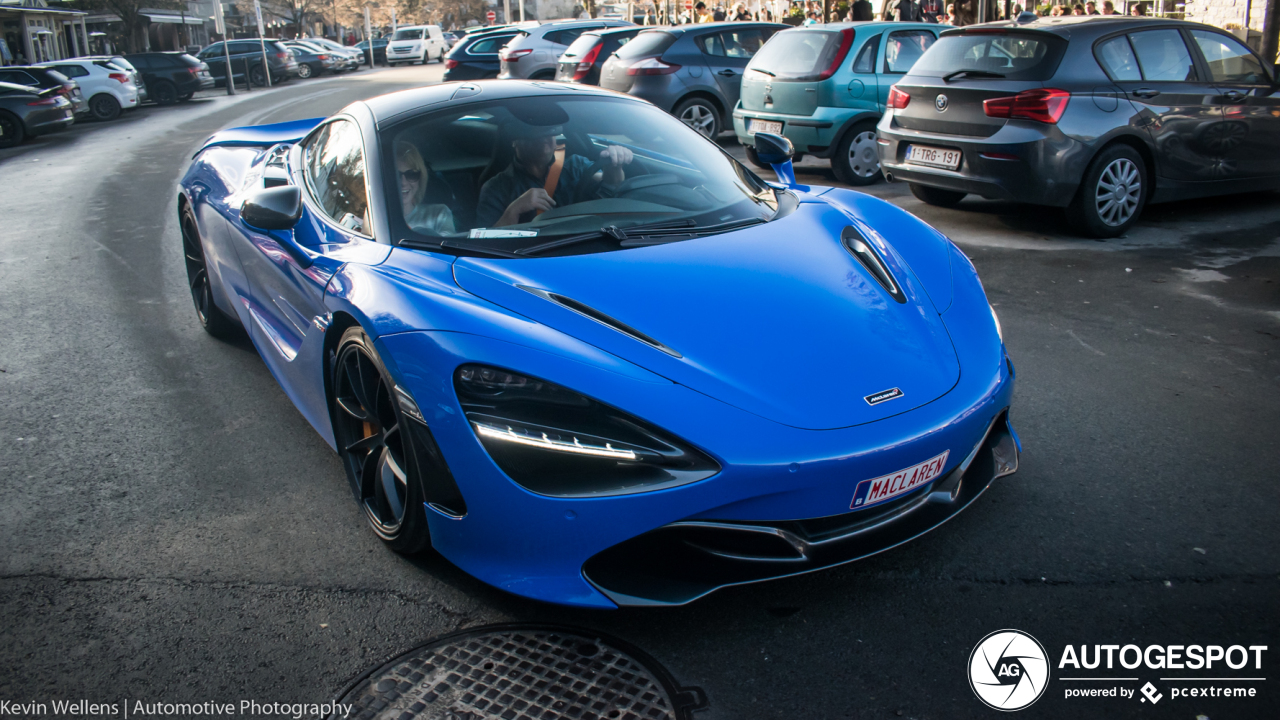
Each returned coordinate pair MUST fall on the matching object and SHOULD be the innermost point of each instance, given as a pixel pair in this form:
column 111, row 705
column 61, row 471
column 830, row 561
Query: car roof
column 1068, row 25
column 615, row 30
column 875, row 25
column 557, row 24
column 699, row 27
column 16, row 86
column 388, row 107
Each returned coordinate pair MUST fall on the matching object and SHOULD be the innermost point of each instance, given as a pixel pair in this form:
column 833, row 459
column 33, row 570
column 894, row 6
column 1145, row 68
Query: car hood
column 777, row 319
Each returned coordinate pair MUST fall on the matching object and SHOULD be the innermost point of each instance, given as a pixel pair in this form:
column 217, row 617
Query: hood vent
column 867, row 255
column 590, row 312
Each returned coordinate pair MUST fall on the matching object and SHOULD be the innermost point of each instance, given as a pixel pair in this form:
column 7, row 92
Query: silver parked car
column 534, row 53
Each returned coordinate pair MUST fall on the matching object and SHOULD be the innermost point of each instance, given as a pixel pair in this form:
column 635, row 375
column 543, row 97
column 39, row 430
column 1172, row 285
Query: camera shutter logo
column 1008, row 670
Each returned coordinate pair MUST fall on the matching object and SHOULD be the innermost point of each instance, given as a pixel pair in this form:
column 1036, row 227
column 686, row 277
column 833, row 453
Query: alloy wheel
column 369, row 435
column 700, row 118
column 864, row 161
column 104, row 107
column 1118, row 192
column 197, row 272
column 304, row 71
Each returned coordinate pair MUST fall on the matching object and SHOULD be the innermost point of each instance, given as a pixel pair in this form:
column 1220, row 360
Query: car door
column 1250, row 103
column 1177, row 107
column 727, row 53
column 865, row 86
column 902, row 48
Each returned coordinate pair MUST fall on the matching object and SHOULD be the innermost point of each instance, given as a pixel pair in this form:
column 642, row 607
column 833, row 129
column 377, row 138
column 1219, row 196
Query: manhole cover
column 522, row 672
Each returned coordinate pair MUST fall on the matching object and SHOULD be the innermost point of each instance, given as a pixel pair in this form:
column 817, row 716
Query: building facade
column 32, row 32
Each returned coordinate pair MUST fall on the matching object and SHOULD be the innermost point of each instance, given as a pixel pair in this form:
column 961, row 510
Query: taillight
column 46, row 101
column 323, row 57
column 193, row 71
column 584, row 66
column 510, row 55
column 1044, row 106
column 119, row 77
column 652, row 66
column 65, row 91
column 282, row 56
column 450, row 64
column 846, row 41
column 898, row 99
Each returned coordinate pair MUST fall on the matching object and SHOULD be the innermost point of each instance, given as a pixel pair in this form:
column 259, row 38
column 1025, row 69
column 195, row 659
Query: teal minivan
column 824, row 87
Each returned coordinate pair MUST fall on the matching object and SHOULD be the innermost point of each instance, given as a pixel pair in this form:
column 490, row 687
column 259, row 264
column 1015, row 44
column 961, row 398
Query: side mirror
column 777, row 151
column 277, row 208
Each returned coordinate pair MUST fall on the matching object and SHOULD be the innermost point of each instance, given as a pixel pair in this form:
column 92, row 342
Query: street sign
column 491, row 16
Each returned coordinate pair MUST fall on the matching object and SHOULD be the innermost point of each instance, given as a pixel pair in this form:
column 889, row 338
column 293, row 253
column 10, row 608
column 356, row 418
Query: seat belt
column 553, row 174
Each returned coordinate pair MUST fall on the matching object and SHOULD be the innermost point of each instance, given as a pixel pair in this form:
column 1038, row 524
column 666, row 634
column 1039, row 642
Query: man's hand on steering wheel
column 613, row 158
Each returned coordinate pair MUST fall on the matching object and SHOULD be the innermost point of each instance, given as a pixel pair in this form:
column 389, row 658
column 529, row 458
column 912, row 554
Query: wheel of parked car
column 104, row 107
column 856, row 161
column 12, row 132
column 936, row 196
column 212, row 319
column 755, row 159
column 165, row 93
column 1112, row 193
column 699, row 114
column 375, row 444
column 258, row 76
column 304, row 71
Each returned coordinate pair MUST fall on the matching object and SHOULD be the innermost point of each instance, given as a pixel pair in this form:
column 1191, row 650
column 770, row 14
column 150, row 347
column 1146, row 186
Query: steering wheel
column 589, row 184
column 645, row 181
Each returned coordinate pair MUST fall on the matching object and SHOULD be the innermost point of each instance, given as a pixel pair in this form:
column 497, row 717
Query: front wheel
column 258, row 77
column 1111, row 195
column 700, row 115
column 104, row 107
column 304, row 71
column 375, row 445
column 212, row 319
column 936, row 196
column 856, row 161
column 166, row 93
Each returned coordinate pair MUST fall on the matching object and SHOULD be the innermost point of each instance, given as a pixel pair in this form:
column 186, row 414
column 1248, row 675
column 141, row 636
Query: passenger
column 414, row 177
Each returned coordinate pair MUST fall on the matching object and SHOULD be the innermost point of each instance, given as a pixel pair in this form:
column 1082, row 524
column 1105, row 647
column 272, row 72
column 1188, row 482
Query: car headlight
column 554, row 441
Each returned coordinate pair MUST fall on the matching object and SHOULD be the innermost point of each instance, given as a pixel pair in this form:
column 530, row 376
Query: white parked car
column 417, row 43
column 107, row 87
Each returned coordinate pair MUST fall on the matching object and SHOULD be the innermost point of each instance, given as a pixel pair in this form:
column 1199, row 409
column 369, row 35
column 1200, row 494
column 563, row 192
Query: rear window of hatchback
column 1012, row 55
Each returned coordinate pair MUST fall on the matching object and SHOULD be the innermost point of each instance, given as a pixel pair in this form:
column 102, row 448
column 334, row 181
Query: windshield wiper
column 606, row 231
column 653, row 238
column 971, row 73
column 452, row 245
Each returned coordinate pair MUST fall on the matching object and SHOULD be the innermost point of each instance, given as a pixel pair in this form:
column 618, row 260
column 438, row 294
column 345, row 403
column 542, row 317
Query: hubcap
column 369, row 435
column 699, row 118
column 863, row 160
column 1118, row 192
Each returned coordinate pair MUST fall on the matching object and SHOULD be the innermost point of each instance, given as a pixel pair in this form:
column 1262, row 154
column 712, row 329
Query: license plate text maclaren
column 887, row 487
column 938, row 157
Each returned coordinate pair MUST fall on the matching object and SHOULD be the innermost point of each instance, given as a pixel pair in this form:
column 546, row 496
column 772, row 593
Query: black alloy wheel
column 12, row 132
column 212, row 319
column 936, row 196
column 104, row 107
column 258, row 77
column 375, row 445
column 166, row 93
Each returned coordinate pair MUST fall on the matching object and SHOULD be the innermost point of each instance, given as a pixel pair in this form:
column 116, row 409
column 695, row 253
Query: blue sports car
column 586, row 355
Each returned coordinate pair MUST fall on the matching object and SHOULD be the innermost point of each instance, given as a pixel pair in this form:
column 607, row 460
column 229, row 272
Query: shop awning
column 174, row 19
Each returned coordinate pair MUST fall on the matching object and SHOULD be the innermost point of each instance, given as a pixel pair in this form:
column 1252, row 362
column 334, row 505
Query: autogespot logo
column 1008, row 670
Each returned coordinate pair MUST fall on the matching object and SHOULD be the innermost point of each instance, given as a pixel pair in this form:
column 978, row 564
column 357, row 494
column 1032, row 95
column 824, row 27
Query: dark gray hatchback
column 1099, row 115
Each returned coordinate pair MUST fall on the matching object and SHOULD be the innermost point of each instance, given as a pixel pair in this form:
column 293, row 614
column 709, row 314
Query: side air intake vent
column 867, row 255
column 590, row 312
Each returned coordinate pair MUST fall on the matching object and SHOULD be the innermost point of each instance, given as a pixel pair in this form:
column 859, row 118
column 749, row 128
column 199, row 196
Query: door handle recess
column 1146, row 92
column 1233, row 95
column 727, row 73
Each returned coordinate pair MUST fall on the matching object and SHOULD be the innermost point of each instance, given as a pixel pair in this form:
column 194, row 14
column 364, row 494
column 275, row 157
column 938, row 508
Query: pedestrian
column 951, row 13
column 1138, row 10
column 861, row 11
column 1056, row 11
column 930, row 10
column 1091, row 8
column 902, row 11
column 1077, row 9
column 700, row 12
column 944, row 19
column 718, row 15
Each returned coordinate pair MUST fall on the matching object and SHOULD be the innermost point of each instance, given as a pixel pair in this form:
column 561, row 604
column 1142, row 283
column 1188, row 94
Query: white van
column 417, row 43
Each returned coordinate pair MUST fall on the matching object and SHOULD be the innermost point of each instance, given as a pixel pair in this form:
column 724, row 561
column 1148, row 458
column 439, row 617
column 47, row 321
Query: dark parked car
column 692, row 71
column 1097, row 115
column 312, row 60
column 26, row 111
column 45, row 78
column 475, row 57
column 171, row 76
column 247, row 55
column 581, row 63
column 379, row 50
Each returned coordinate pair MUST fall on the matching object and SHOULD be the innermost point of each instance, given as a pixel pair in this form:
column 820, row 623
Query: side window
column 240, row 48
column 214, row 49
column 334, row 167
column 904, row 48
column 742, row 43
column 17, row 77
column 711, row 44
column 71, row 71
column 1163, row 56
column 139, row 62
column 485, row 47
column 1117, row 59
column 1229, row 61
column 866, row 60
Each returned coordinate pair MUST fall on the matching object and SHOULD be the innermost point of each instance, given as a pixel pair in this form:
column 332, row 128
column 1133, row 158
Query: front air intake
column 866, row 254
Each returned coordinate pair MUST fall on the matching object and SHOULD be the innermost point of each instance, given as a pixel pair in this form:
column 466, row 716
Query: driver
column 518, row 193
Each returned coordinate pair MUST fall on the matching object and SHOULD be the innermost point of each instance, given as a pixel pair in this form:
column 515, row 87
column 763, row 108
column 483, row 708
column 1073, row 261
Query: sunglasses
column 411, row 175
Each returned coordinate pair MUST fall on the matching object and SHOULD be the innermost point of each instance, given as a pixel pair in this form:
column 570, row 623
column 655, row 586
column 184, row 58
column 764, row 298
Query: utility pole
column 221, row 26
column 1270, row 32
column 262, row 39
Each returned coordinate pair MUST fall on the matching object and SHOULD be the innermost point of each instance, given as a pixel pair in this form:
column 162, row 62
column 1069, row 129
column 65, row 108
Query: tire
column 258, row 77
column 856, row 160
column 12, row 131
column 165, row 94
column 212, row 319
column 305, row 71
column 1112, row 194
column 699, row 114
column 936, row 196
column 373, row 446
column 185, row 97
column 755, row 159
column 104, row 107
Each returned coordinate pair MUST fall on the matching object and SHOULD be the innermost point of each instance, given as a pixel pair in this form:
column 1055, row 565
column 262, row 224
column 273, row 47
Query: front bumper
column 1024, row 161
column 814, row 134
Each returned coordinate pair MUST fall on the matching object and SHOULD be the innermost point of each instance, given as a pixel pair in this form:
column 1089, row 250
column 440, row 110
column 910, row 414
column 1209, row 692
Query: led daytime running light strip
column 546, row 443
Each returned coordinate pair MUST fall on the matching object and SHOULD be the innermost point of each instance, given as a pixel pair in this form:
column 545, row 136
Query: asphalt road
column 171, row 529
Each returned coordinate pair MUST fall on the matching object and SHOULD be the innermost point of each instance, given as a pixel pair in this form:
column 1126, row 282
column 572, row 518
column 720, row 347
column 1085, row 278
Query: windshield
column 415, row 34
column 1014, row 56
column 517, row 173
column 581, row 46
column 797, row 54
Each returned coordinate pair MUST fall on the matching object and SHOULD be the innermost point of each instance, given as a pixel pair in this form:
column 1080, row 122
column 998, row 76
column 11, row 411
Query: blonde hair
column 407, row 153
